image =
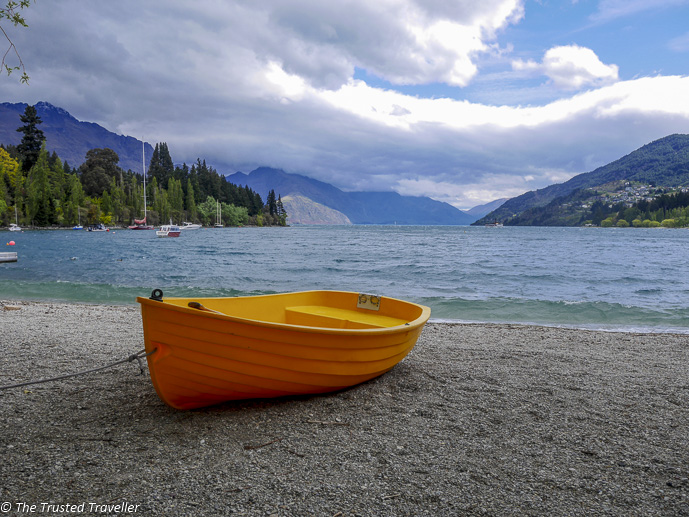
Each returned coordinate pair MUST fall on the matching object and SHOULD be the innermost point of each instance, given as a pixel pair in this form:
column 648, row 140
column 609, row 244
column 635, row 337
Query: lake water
column 617, row 279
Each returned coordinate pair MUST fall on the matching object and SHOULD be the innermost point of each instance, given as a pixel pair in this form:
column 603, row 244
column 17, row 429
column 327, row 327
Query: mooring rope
column 134, row 357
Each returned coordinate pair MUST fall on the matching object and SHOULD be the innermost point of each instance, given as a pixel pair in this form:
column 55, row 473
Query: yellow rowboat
column 210, row 350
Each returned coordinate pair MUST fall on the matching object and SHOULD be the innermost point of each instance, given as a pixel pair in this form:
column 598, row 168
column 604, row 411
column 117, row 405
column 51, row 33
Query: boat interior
column 324, row 309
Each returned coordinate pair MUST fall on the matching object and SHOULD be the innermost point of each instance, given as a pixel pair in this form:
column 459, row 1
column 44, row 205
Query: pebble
column 480, row 419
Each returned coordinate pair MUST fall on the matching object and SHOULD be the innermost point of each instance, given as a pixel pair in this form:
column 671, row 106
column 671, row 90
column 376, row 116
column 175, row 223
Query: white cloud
column 402, row 41
column 571, row 67
column 467, row 195
column 507, row 150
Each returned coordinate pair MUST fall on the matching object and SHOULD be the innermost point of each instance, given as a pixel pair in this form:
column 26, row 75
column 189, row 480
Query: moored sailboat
column 78, row 226
column 140, row 224
column 218, row 215
column 14, row 227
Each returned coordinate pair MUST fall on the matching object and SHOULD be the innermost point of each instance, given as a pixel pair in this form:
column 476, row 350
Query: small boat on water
column 190, row 226
column 14, row 227
column 218, row 216
column 205, row 351
column 168, row 230
column 78, row 226
column 140, row 224
column 97, row 228
column 495, row 224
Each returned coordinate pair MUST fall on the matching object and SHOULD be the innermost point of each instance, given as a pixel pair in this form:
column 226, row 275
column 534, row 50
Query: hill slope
column 483, row 210
column 663, row 163
column 302, row 210
column 71, row 138
column 359, row 207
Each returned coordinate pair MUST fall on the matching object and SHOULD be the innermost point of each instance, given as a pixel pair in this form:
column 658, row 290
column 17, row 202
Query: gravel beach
column 480, row 419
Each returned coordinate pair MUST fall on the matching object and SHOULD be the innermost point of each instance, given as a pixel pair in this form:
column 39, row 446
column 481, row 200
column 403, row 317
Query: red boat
column 140, row 224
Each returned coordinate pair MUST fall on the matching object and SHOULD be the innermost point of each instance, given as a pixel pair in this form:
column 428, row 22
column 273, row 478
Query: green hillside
column 660, row 167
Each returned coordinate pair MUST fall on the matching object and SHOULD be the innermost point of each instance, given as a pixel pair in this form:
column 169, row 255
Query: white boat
column 190, row 226
column 168, row 230
column 14, row 227
column 78, row 226
column 494, row 225
column 218, row 215
column 97, row 228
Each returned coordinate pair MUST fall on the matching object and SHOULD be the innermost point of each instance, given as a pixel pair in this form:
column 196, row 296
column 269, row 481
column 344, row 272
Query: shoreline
column 592, row 327
column 480, row 419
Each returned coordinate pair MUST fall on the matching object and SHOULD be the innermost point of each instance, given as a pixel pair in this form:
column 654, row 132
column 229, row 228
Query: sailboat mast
column 143, row 164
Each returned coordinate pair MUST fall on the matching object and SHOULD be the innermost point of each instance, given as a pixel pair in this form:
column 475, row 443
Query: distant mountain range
column 358, row 207
column 662, row 163
column 306, row 200
column 483, row 210
column 71, row 138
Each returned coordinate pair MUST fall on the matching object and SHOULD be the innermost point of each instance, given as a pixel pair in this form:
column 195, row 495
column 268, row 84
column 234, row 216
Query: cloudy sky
column 461, row 101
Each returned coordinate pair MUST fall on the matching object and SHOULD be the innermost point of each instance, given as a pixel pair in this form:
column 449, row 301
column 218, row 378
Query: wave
column 563, row 313
column 596, row 315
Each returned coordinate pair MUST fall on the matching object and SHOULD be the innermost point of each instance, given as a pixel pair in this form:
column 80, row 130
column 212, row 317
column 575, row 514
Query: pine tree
column 74, row 200
column 161, row 166
column 271, row 203
column 281, row 212
column 41, row 210
column 30, row 146
column 175, row 197
column 190, row 204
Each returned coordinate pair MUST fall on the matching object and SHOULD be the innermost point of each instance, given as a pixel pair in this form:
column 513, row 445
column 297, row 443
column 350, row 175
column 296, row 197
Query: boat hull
column 273, row 346
column 168, row 231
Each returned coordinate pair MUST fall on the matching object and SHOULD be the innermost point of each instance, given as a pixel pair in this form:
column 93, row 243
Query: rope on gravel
column 134, row 357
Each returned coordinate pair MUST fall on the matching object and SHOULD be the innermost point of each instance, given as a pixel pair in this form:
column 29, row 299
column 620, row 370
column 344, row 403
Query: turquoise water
column 629, row 279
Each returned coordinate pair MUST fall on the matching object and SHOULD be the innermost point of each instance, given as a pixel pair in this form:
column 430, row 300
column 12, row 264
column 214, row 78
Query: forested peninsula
column 38, row 189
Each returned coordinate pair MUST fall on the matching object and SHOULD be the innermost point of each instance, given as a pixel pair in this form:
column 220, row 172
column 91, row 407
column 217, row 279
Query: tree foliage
column 12, row 13
column 33, row 137
column 98, row 170
column 669, row 210
column 49, row 192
